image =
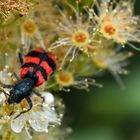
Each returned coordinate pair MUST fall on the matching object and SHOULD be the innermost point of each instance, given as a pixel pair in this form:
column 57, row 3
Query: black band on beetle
column 36, row 67
column 43, row 57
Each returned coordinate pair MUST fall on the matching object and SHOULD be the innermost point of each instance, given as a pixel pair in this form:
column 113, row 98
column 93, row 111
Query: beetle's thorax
column 21, row 90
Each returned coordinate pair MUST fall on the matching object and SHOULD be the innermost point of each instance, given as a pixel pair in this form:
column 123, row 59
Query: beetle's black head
column 15, row 96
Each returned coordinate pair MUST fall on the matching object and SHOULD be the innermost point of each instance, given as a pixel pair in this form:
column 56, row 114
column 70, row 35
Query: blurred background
column 107, row 113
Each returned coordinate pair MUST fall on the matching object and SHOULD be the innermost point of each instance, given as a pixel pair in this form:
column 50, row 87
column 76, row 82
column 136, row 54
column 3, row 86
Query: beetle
column 36, row 68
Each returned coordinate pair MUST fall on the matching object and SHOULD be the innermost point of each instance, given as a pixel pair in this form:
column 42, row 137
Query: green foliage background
column 109, row 113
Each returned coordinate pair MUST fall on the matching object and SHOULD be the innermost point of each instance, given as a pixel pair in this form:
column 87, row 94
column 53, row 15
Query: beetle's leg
column 30, row 104
column 12, row 109
column 5, row 93
column 39, row 95
column 2, row 91
column 16, row 76
column 8, row 86
column 31, row 47
column 20, row 56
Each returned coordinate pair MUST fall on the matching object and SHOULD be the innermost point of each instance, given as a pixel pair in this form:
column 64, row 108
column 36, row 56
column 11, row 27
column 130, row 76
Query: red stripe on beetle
column 52, row 58
column 24, row 71
column 29, row 59
column 41, row 80
column 39, row 50
column 47, row 68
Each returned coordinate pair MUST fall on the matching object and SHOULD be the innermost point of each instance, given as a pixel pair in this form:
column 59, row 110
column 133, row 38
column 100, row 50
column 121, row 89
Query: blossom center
column 80, row 38
column 64, row 78
column 7, row 109
column 109, row 29
column 90, row 49
column 29, row 27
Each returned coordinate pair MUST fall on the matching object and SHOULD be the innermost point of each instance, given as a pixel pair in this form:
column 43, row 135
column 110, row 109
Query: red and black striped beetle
column 37, row 66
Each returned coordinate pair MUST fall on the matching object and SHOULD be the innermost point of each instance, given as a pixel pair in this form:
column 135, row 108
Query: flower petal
column 18, row 123
column 51, row 116
column 49, row 99
column 4, row 77
column 38, row 121
column 2, row 97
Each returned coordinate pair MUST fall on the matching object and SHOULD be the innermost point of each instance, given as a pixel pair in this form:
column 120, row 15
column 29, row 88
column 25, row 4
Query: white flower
column 115, row 21
column 76, row 34
column 30, row 32
column 114, row 61
column 65, row 79
column 38, row 117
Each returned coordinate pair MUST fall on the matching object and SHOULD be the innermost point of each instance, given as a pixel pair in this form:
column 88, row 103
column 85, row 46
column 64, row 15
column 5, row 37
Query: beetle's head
column 14, row 96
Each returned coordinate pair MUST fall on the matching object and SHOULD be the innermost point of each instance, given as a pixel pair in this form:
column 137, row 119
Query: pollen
column 80, row 38
column 109, row 29
column 9, row 135
column 29, row 27
column 64, row 78
column 7, row 109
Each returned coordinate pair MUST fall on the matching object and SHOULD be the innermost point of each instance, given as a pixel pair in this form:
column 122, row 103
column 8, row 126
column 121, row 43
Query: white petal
column 51, row 116
column 4, row 78
column 38, row 121
column 18, row 123
column 49, row 99
column 2, row 97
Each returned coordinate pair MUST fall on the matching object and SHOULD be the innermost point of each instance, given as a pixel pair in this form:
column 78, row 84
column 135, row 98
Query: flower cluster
column 115, row 21
column 11, row 9
column 86, row 38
